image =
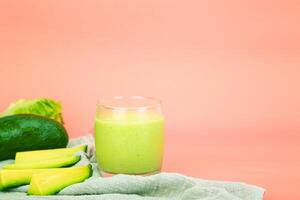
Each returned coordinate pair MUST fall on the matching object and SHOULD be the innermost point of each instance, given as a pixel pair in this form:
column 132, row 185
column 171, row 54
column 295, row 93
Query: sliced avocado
column 12, row 178
column 39, row 155
column 51, row 163
column 48, row 183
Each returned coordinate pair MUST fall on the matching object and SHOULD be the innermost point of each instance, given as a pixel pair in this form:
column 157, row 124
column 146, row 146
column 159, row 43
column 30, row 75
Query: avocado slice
column 39, row 155
column 48, row 183
column 12, row 178
column 51, row 163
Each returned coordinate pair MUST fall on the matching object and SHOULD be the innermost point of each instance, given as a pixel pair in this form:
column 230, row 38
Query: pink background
column 227, row 72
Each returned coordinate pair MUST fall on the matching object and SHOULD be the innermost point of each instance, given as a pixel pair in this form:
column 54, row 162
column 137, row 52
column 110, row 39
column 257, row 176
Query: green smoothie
column 129, row 146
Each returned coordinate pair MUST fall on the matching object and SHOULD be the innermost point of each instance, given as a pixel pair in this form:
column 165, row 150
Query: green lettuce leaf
column 44, row 107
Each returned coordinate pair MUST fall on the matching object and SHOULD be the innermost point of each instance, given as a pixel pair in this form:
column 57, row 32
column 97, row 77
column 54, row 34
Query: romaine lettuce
column 44, row 107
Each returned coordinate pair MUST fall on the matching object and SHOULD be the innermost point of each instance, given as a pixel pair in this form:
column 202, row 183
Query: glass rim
column 104, row 102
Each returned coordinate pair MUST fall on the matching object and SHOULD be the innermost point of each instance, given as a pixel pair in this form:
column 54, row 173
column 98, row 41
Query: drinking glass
column 129, row 135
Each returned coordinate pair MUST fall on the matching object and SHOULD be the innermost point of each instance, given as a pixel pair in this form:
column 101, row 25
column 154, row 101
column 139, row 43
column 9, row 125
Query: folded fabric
column 162, row 186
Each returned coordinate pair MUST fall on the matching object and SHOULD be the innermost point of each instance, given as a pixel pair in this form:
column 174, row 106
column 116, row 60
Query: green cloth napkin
column 162, row 186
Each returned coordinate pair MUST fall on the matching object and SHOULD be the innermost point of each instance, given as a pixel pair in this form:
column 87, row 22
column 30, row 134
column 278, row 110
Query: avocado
column 39, row 155
column 48, row 183
column 12, row 178
column 51, row 163
column 26, row 132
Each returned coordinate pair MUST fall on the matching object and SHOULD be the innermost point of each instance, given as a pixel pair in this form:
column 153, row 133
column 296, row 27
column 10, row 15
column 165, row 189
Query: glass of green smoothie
column 129, row 135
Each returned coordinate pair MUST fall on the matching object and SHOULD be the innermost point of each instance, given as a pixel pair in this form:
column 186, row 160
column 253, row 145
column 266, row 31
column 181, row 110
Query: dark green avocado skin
column 26, row 132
